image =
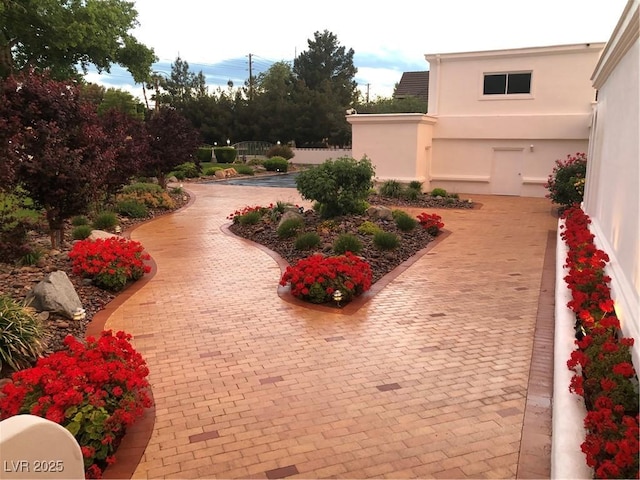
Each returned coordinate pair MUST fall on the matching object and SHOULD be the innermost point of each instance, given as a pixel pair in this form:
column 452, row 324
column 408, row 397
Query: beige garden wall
column 398, row 145
column 612, row 198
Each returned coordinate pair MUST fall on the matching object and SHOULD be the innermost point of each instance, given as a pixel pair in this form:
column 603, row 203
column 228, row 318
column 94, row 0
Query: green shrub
column 30, row 256
column 411, row 194
column 142, row 187
column 23, row 337
column 307, row 241
column 276, row 164
column 368, row 228
column 283, row 151
column 244, row 169
column 289, row 227
column 566, row 182
column 225, row 154
column 105, row 221
column 391, row 188
column 212, row 171
column 385, row 240
column 79, row 220
column 188, row 169
column 250, row 218
column 14, row 226
column 415, row 185
column 438, row 192
column 404, row 221
column 81, row 232
column 340, row 186
column 347, row 242
column 132, row 208
column 204, row 154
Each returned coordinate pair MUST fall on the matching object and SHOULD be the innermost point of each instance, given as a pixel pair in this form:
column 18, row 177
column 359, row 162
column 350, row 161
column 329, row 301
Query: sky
column 387, row 38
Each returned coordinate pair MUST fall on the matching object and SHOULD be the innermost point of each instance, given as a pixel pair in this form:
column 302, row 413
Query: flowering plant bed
column 95, row 390
column 260, row 224
column 317, row 278
column 604, row 373
column 110, row 262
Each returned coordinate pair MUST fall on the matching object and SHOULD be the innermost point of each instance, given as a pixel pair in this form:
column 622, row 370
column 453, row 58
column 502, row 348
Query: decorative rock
column 220, row 174
column 288, row 215
column 86, row 282
column 230, row 172
column 55, row 294
column 43, row 316
column 383, row 213
column 95, row 234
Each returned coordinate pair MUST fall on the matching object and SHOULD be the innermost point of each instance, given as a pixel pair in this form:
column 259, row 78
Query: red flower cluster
column 243, row 211
column 317, row 277
column 110, row 262
column 95, row 391
column 431, row 222
column 604, row 373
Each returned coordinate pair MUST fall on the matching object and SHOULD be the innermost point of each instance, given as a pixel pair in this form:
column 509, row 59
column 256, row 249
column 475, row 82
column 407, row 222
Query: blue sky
column 387, row 38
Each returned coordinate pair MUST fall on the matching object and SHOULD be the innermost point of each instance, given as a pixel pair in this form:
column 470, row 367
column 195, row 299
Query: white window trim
column 505, row 96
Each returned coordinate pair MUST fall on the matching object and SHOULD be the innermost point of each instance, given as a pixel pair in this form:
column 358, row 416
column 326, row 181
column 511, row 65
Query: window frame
column 504, row 96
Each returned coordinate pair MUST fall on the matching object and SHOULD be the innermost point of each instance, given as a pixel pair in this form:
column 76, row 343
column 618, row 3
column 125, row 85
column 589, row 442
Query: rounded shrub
column 142, row 187
column 79, row 220
column 307, row 241
column 411, row 194
column 289, row 227
column 244, row 169
column 132, row 208
column 347, row 242
column 276, row 164
column 23, row 337
column 81, row 232
column 438, row 192
column 566, row 182
column 340, row 186
column 210, row 171
column 385, row 240
column 368, row 228
column 225, row 154
column 283, row 151
column 105, row 221
column 189, row 169
column 250, row 218
column 391, row 188
column 404, row 221
column 415, row 185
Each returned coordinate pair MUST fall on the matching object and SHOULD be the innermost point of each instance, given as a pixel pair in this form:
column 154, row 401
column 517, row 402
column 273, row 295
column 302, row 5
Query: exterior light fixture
column 337, row 297
column 228, row 142
column 118, row 229
column 79, row 314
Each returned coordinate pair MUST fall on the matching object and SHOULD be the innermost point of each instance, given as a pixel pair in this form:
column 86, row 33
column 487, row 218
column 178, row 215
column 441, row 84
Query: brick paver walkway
column 429, row 379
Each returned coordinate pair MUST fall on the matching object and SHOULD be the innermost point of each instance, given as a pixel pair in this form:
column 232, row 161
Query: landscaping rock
column 288, row 215
column 96, row 234
column 230, row 172
column 380, row 212
column 55, row 294
column 220, row 174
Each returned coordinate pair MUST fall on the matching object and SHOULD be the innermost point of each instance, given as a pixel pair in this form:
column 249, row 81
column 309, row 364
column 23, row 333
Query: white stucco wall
column 612, row 198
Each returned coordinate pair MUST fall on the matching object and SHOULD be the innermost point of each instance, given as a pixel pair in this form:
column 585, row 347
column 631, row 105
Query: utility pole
column 250, row 78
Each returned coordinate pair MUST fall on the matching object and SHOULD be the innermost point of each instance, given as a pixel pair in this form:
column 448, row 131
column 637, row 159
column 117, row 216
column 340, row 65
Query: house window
column 507, row 83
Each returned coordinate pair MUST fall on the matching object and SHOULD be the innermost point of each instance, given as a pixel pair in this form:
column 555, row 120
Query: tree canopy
column 62, row 35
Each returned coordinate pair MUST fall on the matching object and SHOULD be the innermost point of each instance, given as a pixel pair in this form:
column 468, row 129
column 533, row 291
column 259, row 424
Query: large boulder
column 55, row 294
column 290, row 214
column 380, row 212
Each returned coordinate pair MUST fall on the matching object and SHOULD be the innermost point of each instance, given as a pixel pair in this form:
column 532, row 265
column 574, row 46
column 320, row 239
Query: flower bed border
column 358, row 302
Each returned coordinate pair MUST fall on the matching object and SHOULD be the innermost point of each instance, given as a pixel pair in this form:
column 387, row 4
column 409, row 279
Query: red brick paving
column 428, row 379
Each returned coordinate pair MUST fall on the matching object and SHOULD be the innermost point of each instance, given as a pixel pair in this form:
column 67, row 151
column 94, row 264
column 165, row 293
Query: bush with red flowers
column 111, row 262
column 316, row 278
column 95, row 390
column 604, row 372
column 431, row 222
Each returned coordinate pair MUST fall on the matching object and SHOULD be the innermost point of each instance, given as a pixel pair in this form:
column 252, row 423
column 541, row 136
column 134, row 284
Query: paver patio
column 429, row 379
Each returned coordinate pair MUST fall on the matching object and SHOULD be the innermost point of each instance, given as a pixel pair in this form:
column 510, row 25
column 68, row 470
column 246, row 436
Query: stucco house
column 496, row 121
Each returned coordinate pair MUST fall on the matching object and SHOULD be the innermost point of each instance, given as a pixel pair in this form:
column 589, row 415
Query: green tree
column 325, row 88
column 182, row 84
column 115, row 98
column 60, row 35
column 273, row 100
